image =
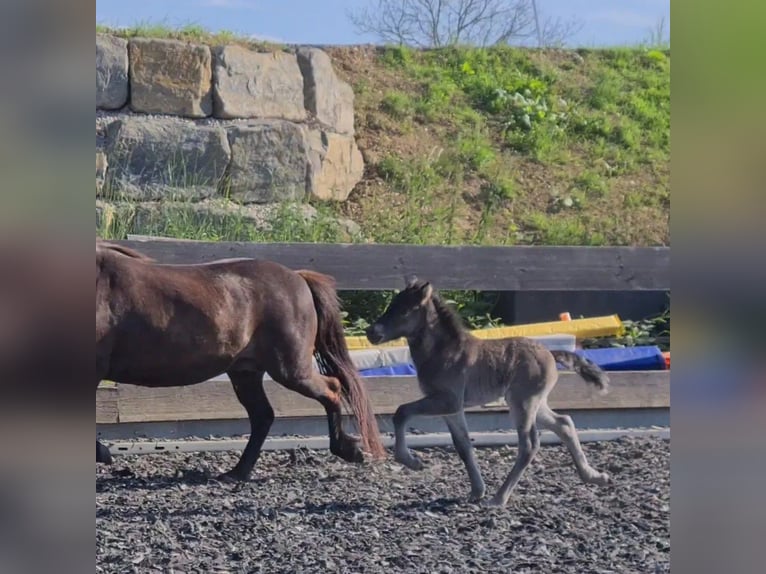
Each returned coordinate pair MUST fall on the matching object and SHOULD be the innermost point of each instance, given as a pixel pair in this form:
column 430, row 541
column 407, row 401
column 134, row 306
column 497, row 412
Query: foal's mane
column 448, row 317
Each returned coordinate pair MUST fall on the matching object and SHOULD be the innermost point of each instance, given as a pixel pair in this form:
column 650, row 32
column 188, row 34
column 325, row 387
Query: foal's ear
column 410, row 280
column 425, row 293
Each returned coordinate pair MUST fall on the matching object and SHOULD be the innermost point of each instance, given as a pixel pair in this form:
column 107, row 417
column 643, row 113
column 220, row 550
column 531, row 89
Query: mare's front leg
column 102, row 453
column 433, row 405
column 249, row 389
column 458, row 428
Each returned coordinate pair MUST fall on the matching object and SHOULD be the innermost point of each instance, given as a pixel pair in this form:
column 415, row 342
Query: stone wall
column 181, row 121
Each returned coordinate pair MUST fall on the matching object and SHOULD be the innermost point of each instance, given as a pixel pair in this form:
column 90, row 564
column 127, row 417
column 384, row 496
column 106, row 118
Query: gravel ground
column 307, row 511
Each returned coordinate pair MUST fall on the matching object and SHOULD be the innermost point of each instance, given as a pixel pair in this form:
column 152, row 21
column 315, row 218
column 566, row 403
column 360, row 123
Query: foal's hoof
column 409, row 461
column 493, row 502
column 475, row 496
column 602, row 479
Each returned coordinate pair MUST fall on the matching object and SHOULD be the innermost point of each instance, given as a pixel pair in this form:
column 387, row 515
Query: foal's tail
column 586, row 368
column 334, row 360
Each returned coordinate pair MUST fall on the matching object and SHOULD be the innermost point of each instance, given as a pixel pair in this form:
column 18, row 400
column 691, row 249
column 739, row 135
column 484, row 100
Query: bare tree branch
column 436, row 23
column 555, row 32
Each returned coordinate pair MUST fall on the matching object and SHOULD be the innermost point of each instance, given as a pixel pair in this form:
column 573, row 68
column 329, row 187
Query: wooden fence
column 370, row 267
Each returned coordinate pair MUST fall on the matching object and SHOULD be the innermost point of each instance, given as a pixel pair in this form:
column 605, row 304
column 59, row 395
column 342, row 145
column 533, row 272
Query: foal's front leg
column 428, row 406
column 458, row 428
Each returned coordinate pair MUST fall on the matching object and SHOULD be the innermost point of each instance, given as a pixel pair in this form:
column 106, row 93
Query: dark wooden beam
column 376, row 266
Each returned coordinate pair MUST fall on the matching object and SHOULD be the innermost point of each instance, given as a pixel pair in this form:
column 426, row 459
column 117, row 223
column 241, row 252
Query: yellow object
column 581, row 328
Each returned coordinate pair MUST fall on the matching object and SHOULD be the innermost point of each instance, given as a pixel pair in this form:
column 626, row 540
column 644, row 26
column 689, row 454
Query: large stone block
column 325, row 95
column 111, row 72
column 269, row 162
column 165, row 158
column 336, row 165
column 249, row 84
column 170, row 77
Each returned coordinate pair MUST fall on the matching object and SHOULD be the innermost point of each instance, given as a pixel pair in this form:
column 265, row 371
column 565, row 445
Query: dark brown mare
column 170, row 325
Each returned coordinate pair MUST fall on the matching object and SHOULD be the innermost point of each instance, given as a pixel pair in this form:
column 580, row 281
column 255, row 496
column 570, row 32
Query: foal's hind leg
column 529, row 444
column 564, row 428
column 249, row 389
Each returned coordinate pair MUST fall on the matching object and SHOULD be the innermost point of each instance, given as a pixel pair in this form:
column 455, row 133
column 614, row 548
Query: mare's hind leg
column 564, row 428
column 529, row 444
column 249, row 389
column 326, row 390
column 458, row 428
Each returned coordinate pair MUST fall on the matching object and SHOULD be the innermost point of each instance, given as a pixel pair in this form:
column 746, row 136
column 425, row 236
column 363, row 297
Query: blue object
column 389, row 371
column 648, row 358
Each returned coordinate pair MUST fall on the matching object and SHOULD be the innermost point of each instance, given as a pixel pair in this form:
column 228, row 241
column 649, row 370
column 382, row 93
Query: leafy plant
column 648, row 331
column 397, row 105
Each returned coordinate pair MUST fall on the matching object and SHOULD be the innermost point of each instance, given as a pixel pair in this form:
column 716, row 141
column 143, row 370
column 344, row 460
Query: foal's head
column 404, row 314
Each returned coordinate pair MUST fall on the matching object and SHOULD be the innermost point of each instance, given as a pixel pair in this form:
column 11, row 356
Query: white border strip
column 414, row 441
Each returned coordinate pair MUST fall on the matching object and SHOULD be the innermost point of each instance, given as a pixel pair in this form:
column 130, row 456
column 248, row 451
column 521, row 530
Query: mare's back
column 223, row 291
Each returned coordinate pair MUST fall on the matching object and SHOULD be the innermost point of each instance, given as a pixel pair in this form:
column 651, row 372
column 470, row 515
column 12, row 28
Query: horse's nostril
column 374, row 331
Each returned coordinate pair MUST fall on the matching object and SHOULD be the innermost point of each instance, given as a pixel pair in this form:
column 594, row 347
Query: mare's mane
column 122, row 250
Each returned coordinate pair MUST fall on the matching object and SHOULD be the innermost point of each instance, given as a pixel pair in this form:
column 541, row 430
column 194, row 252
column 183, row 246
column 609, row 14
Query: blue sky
column 606, row 22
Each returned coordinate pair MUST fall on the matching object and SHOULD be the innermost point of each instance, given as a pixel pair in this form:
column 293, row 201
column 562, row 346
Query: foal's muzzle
column 375, row 333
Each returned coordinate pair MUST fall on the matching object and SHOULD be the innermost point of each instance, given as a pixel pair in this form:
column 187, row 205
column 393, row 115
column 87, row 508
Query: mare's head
column 405, row 314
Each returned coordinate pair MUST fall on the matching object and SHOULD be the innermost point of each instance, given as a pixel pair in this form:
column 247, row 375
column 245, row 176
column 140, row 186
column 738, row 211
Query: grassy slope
column 496, row 146
column 451, row 158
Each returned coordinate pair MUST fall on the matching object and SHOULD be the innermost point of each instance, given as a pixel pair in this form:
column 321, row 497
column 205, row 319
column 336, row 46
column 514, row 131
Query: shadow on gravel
column 330, row 507
column 437, row 504
column 125, row 479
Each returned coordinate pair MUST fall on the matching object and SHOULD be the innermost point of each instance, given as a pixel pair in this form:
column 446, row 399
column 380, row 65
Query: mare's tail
column 334, row 360
column 586, row 368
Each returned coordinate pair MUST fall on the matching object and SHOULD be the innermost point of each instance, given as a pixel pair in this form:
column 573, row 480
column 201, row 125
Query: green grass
column 398, row 105
column 191, row 32
column 592, row 124
column 182, row 220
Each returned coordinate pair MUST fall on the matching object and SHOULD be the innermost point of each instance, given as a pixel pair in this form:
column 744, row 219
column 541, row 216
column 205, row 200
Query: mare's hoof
column 349, row 451
column 231, row 477
column 103, row 455
column 409, row 461
column 353, row 454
